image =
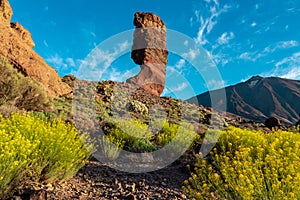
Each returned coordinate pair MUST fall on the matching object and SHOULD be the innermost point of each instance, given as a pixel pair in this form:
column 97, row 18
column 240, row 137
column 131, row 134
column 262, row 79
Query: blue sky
column 240, row 38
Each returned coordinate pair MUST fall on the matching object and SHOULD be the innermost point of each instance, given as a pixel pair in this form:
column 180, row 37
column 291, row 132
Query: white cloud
column 179, row 87
column 215, row 84
column 292, row 73
column 99, row 61
column 222, row 59
column 105, row 58
column 57, row 62
column 286, row 27
column 207, row 20
column 292, row 60
column 123, row 46
column 119, row 76
column 288, row 67
column 225, row 38
column 287, row 44
column 45, row 43
column 207, row 24
column 248, row 56
column 254, row 56
column 279, row 45
column 70, row 62
column 93, row 34
column 192, row 54
column 186, row 43
column 289, row 73
column 180, row 64
column 175, row 89
column 64, row 65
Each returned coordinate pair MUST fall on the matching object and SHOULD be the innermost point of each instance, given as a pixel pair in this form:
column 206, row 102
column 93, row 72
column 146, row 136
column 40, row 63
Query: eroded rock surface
column 16, row 46
column 5, row 11
column 149, row 50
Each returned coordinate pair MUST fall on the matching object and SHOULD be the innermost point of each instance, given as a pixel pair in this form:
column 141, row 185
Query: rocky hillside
column 16, row 46
column 260, row 98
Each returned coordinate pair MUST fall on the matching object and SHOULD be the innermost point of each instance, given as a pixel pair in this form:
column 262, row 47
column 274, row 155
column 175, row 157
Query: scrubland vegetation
column 19, row 92
column 36, row 149
column 42, row 147
column 249, row 165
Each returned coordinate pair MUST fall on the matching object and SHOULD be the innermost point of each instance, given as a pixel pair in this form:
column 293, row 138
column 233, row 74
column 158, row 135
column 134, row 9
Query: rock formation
column 23, row 33
column 150, row 52
column 5, row 11
column 16, row 46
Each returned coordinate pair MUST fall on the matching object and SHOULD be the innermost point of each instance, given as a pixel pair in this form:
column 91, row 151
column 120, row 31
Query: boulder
column 138, row 107
column 149, row 50
column 272, row 122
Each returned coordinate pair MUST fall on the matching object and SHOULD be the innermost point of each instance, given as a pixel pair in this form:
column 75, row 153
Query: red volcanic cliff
column 16, row 46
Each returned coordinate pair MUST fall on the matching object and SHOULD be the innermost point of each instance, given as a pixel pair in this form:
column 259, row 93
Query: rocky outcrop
column 272, row 122
column 16, row 46
column 150, row 52
column 23, row 33
column 5, row 11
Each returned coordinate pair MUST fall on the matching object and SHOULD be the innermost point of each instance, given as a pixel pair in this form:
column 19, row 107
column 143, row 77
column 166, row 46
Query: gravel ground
column 96, row 181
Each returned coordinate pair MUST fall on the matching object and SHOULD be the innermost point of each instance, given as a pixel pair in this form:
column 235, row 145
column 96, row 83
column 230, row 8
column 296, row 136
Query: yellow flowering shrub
column 130, row 135
column 31, row 147
column 179, row 136
column 248, row 165
column 135, row 136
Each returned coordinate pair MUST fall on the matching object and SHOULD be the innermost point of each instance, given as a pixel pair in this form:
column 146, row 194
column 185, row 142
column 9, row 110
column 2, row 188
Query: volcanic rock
column 150, row 52
column 5, row 11
column 23, row 33
column 272, row 122
column 16, row 46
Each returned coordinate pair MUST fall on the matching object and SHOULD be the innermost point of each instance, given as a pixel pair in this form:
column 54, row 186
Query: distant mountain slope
column 260, row 98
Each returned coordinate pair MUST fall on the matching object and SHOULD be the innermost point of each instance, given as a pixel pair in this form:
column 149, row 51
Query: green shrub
column 20, row 91
column 167, row 133
column 249, row 165
column 178, row 136
column 140, row 137
column 111, row 146
column 44, row 151
column 134, row 134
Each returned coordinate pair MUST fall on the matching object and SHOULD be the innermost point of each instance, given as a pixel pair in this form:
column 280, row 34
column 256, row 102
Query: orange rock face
column 16, row 45
column 149, row 50
column 5, row 11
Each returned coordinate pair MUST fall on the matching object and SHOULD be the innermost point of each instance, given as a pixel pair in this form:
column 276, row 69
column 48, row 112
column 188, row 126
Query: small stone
column 133, row 187
column 130, row 197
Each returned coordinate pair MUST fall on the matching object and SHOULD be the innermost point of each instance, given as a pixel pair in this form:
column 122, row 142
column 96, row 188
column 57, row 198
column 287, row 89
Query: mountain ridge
column 259, row 98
